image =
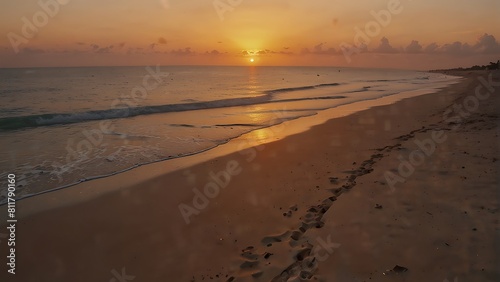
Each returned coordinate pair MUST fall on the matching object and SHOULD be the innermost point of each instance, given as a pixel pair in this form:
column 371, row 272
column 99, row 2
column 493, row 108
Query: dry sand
column 316, row 205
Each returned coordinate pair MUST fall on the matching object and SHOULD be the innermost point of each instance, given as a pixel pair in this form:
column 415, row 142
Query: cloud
column 318, row 50
column 286, row 51
column 160, row 41
column 456, row 48
column 487, row 44
column 385, row 47
column 136, row 50
column 264, row 52
column 414, row 47
column 99, row 48
column 267, row 51
column 431, row 48
column 213, row 52
column 106, row 49
column 183, row 52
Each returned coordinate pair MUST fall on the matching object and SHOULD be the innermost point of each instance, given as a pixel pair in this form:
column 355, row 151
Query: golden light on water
column 261, row 136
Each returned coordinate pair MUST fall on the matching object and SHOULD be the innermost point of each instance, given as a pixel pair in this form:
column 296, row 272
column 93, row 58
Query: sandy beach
column 401, row 192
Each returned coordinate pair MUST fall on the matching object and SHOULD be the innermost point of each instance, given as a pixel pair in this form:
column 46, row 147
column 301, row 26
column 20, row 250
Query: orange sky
column 420, row 34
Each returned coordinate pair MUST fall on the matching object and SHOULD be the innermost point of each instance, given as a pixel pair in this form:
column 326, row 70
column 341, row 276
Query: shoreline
column 275, row 199
column 54, row 172
column 238, row 143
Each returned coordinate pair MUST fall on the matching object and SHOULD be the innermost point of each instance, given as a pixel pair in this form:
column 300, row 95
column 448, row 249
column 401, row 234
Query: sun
column 252, row 60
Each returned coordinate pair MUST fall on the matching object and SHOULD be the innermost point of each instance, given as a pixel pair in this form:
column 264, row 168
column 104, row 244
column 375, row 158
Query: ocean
column 62, row 126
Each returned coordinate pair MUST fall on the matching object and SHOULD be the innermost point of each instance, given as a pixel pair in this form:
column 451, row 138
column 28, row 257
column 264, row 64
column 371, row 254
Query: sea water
column 61, row 126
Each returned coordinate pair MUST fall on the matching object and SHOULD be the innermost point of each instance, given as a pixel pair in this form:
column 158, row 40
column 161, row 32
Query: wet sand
column 333, row 203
